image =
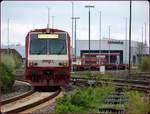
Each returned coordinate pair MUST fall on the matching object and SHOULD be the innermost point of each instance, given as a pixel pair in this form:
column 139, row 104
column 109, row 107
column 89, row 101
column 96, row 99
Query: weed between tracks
column 92, row 99
column 83, row 100
column 137, row 102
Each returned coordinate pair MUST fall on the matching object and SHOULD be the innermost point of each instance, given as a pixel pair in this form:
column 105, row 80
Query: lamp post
column 89, row 7
column 75, row 46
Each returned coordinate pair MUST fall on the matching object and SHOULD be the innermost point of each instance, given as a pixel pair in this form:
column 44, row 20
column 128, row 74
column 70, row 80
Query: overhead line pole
column 72, row 22
column 130, row 36
column 75, row 35
column 109, row 46
column 142, row 42
column 145, row 34
column 126, row 22
column 52, row 22
column 8, row 35
column 100, row 32
column 89, row 6
column 48, row 17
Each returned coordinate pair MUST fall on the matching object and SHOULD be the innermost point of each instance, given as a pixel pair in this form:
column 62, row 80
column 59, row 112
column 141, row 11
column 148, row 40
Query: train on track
column 93, row 61
column 48, row 59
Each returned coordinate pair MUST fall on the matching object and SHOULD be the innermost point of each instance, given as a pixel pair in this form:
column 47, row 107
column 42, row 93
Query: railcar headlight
column 63, row 64
column 32, row 64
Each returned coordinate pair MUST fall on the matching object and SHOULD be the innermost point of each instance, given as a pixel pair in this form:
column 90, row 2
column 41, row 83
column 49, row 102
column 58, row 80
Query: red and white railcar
column 48, row 60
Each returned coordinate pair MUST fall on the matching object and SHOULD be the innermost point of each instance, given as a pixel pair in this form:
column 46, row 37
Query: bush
column 81, row 99
column 144, row 64
column 10, row 60
column 9, row 63
column 7, row 78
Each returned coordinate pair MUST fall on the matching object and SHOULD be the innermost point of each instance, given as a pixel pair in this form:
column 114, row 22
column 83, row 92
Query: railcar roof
column 44, row 30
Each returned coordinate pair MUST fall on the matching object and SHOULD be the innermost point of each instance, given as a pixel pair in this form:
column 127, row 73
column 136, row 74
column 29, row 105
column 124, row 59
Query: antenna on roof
column 48, row 18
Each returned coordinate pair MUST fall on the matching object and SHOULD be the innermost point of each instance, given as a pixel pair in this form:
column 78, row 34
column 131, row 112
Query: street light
column 89, row 6
column 75, row 18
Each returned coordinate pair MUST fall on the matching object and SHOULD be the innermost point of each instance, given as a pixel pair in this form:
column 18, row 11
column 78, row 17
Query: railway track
column 140, row 85
column 27, row 101
column 31, row 91
column 114, row 103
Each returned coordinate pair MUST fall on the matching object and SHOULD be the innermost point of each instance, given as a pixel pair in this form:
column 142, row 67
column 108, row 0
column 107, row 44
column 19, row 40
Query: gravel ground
column 17, row 89
column 69, row 89
column 47, row 109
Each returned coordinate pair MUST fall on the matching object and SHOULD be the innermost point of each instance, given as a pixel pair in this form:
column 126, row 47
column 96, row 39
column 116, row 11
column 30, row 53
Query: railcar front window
column 38, row 46
column 57, row 46
column 48, row 46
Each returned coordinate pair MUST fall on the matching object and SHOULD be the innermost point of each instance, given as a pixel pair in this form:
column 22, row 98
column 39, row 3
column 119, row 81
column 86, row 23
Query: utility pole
column 75, row 35
column 142, row 43
column 89, row 7
column 145, row 34
column 52, row 22
column 126, row 22
column 100, row 32
column 8, row 35
column 109, row 45
column 48, row 17
column 99, row 39
column 145, row 44
column 72, row 22
column 130, row 36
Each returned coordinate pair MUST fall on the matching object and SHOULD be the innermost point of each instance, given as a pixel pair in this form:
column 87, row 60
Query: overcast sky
column 25, row 16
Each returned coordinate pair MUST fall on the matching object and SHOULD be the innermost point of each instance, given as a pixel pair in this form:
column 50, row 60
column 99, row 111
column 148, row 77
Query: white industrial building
column 113, row 46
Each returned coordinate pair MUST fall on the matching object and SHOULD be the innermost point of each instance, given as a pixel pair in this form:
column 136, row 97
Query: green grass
column 144, row 64
column 88, row 100
column 136, row 102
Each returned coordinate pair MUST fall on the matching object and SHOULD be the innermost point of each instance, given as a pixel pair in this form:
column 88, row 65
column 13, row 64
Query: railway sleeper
column 112, row 101
column 111, row 111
